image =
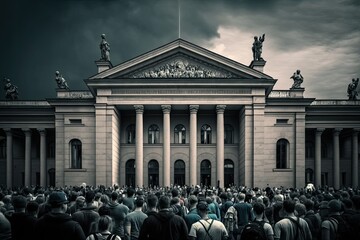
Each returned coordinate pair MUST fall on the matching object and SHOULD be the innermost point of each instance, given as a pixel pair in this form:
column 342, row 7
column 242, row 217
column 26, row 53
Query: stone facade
column 224, row 126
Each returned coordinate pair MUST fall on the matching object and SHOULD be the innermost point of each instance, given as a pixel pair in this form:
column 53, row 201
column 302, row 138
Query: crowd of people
column 118, row 213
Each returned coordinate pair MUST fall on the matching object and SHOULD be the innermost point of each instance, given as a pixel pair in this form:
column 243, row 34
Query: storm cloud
column 321, row 38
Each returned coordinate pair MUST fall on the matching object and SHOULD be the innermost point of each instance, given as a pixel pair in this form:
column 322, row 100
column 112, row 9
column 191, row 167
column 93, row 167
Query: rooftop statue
column 105, row 49
column 11, row 91
column 352, row 89
column 61, row 82
column 257, row 47
column 298, row 79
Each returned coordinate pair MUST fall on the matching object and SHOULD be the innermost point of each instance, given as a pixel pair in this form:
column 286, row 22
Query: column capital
column 193, row 108
column 220, row 108
column 355, row 131
column 139, row 108
column 166, row 108
column 319, row 131
column 27, row 131
column 41, row 131
column 8, row 131
column 336, row 131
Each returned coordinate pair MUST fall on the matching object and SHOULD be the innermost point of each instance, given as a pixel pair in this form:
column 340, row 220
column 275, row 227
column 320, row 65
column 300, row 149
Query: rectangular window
column 282, row 121
column 75, row 121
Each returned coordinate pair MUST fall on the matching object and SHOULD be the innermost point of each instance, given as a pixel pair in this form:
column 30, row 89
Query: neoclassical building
column 180, row 114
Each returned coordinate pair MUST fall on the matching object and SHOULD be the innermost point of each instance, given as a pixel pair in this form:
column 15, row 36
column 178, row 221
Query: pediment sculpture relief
column 182, row 68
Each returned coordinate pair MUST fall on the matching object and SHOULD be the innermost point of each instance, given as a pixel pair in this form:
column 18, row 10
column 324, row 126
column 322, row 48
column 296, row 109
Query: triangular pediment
column 180, row 59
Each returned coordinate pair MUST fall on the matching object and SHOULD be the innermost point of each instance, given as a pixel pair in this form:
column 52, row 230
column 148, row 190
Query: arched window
column 153, row 170
column 154, row 134
column 228, row 173
column 180, row 134
column 179, row 172
column 205, row 172
column 309, row 149
column 130, row 131
column 75, row 150
column 130, row 173
column 228, row 134
column 3, row 148
column 282, row 153
column 206, row 134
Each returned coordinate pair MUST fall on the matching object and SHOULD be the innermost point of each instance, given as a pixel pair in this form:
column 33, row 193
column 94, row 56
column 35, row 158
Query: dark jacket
column 87, row 218
column 164, row 225
column 22, row 225
column 58, row 226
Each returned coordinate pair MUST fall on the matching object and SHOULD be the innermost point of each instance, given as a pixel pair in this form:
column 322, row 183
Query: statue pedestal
column 258, row 65
column 103, row 65
column 297, row 92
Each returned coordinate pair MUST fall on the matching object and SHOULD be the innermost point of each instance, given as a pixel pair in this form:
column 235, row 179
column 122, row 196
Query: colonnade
column 27, row 172
column 336, row 157
column 193, row 109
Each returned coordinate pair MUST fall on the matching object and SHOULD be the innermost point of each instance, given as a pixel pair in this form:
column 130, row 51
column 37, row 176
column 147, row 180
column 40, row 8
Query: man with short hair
column 118, row 213
column 291, row 227
column 244, row 213
column 88, row 215
column 57, row 224
column 207, row 228
column 192, row 215
column 134, row 220
column 164, row 224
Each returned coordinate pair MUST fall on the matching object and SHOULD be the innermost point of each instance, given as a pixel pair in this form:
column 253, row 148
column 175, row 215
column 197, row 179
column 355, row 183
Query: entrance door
column 179, row 172
column 153, row 170
column 130, row 173
column 205, row 173
column 228, row 173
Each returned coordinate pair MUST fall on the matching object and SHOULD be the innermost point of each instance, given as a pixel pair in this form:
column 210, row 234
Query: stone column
column 193, row 143
column 220, row 109
column 27, row 133
column 166, row 145
column 354, row 159
column 43, row 172
column 139, row 155
column 9, row 157
column 336, row 161
column 318, row 133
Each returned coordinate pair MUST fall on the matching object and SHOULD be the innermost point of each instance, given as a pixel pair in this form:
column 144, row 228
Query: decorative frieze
column 180, row 91
column 181, row 67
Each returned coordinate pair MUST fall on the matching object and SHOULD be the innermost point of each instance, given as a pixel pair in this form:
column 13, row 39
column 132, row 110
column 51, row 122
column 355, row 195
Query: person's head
column 202, row 208
column 32, row 207
column 58, row 201
column 89, row 196
column 193, row 200
column 103, row 36
column 174, row 201
column 258, row 208
column 19, row 202
column 334, row 206
column 356, row 202
column 130, row 192
column 80, row 201
column 164, row 202
column 114, row 196
column 309, row 204
column 152, row 201
column 104, row 210
column 174, row 192
column 139, row 202
column 242, row 197
column 289, row 206
column 105, row 223
column 300, row 209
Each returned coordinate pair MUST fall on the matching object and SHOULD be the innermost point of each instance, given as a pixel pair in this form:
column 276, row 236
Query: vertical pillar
column 9, row 157
column 166, row 145
column 193, row 143
column 43, row 173
column 336, row 161
column 318, row 133
column 354, row 158
column 139, row 154
column 220, row 109
column 27, row 133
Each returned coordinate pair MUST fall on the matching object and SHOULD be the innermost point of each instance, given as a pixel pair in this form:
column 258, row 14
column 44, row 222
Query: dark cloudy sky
column 320, row 37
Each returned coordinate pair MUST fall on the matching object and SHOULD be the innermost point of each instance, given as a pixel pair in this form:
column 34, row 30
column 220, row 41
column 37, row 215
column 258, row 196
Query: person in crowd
column 19, row 219
column 225, row 203
column 57, row 224
column 192, row 215
column 88, row 215
column 78, row 205
column 134, row 220
column 207, row 228
column 259, row 213
column 244, row 213
column 118, row 213
column 164, row 224
column 313, row 220
column 104, row 228
column 129, row 200
column 291, row 227
column 5, row 228
column 152, row 202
